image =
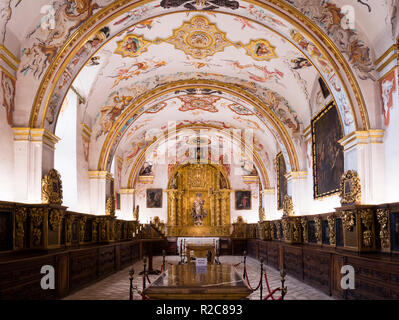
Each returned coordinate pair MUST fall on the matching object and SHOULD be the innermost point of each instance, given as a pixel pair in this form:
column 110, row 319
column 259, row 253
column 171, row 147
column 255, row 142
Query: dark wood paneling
column 317, row 269
column 20, row 280
column 293, row 261
column 376, row 276
column 83, row 267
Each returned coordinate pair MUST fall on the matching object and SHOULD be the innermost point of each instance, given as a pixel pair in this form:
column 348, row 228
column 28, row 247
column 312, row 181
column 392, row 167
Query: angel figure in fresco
column 244, row 23
column 110, row 113
column 261, row 50
column 275, row 75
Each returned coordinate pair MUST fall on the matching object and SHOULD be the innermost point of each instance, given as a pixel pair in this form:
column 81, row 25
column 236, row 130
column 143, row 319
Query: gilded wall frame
column 328, row 154
column 281, row 180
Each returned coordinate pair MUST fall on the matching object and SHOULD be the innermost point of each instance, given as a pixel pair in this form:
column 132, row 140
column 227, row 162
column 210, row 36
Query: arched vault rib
column 265, row 182
column 115, row 134
column 114, row 10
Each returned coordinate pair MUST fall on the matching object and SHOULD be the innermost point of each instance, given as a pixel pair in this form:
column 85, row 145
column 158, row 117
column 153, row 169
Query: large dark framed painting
column 154, row 198
column 328, row 154
column 281, row 180
column 243, row 200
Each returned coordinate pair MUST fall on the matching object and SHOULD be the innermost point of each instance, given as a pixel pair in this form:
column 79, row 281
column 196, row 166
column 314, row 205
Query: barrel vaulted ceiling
column 232, row 64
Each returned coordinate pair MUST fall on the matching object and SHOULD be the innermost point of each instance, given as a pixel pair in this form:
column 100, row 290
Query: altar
column 198, row 201
column 188, row 282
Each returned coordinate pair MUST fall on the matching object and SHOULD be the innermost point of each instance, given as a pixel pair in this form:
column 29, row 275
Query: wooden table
column 200, row 251
column 187, row 282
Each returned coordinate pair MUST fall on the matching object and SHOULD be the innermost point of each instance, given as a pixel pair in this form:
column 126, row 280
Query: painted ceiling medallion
column 131, row 46
column 191, row 103
column 261, row 50
column 199, row 38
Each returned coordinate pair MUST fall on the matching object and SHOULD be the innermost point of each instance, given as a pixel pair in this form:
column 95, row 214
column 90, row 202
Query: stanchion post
column 144, row 272
column 131, row 273
column 261, row 278
column 245, row 263
column 283, row 289
column 163, row 261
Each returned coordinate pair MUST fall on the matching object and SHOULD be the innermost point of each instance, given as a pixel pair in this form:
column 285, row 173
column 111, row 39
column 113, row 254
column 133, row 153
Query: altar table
column 200, row 251
column 188, row 282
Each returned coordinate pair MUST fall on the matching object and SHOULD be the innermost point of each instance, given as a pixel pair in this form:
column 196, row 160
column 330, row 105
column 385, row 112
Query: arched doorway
column 204, row 184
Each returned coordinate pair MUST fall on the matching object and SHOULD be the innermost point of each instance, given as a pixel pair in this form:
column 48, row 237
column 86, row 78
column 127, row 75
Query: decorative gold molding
column 367, row 218
column 100, row 175
column 52, row 188
column 142, row 156
column 383, row 220
column 350, row 189
column 287, row 8
column 234, row 90
column 332, row 230
column 8, row 73
column 386, row 63
column 10, row 54
column 55, row 219
column 20, row 219
column 110, row 206
column 348, row 220
column 288, row 207
column 384, row 55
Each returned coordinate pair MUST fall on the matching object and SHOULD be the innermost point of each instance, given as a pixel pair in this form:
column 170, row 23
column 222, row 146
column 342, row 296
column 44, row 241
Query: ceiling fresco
column 141, row 47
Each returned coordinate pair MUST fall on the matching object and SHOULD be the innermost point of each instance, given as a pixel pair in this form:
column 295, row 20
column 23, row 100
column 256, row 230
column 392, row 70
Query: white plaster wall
column 160, row 182
column 6, row 156
column 65, row 152
column 391, row 143
column 236, row 183
column 82, row 168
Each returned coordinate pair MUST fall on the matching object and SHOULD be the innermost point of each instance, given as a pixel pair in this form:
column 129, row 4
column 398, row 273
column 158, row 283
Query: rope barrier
column 270, row 295
column 246, row 276
column 236, row 265
column 148, row 279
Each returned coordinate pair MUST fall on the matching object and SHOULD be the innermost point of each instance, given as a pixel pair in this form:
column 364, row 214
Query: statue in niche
column 173, row 182
column 197, row 211
column 136, row 213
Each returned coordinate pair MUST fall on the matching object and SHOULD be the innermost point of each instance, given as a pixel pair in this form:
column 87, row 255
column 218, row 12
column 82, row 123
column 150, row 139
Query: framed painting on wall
column 328, row 154
column 154, row 198
column 243, row 200
column 281, row 180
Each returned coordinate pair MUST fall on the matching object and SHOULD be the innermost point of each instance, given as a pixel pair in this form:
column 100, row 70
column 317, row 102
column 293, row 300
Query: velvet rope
column 144, row 297
column 236, row 265
column 270, row 295
column 246, row 276
column 148, row 279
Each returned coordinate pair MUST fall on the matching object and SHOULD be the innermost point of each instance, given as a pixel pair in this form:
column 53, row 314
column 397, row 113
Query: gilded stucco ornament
column 318, row 223
column 110, row 206
column 350, row 189
column 383, row 220
column 304, row 224
column 288, row 207
column 367, row 219
column 262, row 216
column 332, row 229
column 20, row 218
column 55, row 219
column 348, row 220
column 36, row 217
column 82, row 228
column 52, row 188
column 286, row 228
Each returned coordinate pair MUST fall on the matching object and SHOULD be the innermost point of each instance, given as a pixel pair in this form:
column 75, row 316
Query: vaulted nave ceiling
column 227, row 63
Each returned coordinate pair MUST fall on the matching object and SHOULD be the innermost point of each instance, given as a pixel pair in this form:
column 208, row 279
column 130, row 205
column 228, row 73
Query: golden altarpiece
column 209, row 184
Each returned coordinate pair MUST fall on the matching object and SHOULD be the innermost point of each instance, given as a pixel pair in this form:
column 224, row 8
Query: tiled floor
column 116, row 286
